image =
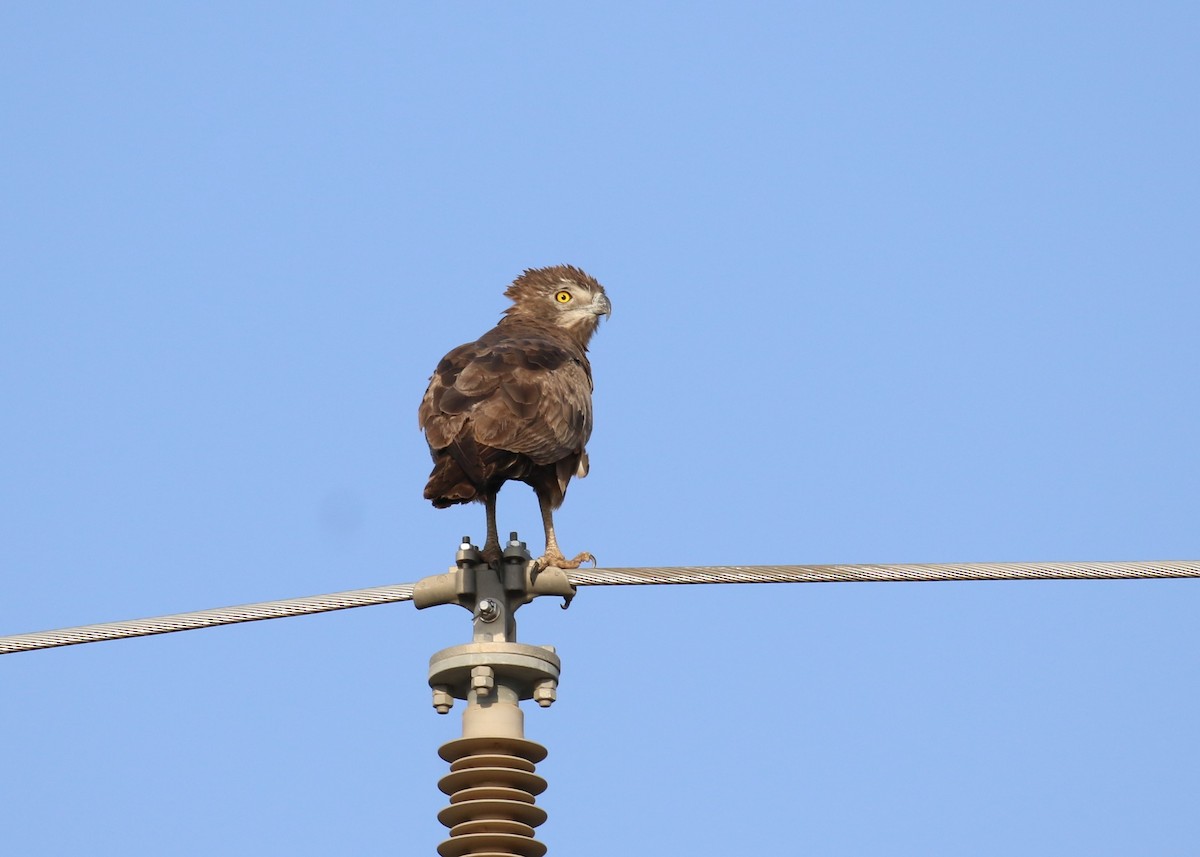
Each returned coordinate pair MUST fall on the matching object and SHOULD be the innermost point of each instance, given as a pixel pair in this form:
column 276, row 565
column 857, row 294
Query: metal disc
column 460, row 813
column 491, row 793
column 492, row 825
column 457, row 781
column 499, row 843
column 454, row 750
column 492, row 760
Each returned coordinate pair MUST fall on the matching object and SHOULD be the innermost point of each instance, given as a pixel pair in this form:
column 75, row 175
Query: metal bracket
column 475, row 584
column 459, row 671
column 492, row 783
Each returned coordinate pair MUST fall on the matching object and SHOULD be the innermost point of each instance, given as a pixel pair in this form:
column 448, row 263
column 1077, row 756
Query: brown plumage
column 516, row 404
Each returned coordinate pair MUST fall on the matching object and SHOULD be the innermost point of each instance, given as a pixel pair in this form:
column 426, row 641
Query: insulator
column 492, row 786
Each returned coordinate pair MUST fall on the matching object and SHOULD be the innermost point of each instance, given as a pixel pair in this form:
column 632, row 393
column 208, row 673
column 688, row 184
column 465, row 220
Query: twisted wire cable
column 207, row 618
column 883, row 573
column 613, row 577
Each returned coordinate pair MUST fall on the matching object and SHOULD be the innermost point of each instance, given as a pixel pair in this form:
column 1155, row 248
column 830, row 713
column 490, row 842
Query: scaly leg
column 554, row 556
column 491, row 548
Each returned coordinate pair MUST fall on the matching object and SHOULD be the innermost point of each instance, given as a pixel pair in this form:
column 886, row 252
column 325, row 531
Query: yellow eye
column 563, row 297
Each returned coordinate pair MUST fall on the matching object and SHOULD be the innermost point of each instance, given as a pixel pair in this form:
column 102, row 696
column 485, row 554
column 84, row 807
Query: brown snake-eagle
column 517, row 403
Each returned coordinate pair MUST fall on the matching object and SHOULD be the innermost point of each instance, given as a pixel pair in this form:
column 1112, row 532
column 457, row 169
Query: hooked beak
column 601, row 306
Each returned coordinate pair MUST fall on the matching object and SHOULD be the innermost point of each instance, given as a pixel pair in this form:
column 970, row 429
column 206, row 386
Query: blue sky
column 891, row 283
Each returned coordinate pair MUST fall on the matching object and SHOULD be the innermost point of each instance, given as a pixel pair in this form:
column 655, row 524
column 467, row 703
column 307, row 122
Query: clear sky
column 891, row 283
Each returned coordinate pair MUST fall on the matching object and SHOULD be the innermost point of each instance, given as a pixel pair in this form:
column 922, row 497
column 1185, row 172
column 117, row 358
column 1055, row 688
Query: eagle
column 516, row 404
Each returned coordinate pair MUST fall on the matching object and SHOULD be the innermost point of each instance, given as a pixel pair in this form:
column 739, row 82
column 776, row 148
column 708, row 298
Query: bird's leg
column 491, row 548
column 554, row 556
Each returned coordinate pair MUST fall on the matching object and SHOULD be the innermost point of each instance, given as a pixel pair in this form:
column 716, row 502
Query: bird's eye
column 563, row 297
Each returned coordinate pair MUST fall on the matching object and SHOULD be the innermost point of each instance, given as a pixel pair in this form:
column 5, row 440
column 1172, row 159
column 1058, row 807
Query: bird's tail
column 448, row 485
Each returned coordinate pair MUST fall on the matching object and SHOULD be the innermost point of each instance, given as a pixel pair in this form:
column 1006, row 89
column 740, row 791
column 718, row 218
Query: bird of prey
column 517, row 403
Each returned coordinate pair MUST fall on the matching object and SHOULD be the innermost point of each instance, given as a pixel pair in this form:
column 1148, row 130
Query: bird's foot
column 555, row 559
column 492, row 554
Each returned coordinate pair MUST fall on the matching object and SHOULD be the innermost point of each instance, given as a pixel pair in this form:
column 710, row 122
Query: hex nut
column 488, row 610
column 545, row 692
column 483, row 679
column 442, row 700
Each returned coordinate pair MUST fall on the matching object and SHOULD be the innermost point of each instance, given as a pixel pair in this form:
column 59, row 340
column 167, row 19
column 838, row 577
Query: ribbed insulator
column 492, row 785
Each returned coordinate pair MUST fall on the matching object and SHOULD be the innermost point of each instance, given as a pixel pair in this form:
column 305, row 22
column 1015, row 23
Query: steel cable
column 613, row 577
column 883, row 573
column 207, row 618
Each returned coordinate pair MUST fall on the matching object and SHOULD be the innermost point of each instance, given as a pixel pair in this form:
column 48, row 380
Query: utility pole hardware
column 492, row 782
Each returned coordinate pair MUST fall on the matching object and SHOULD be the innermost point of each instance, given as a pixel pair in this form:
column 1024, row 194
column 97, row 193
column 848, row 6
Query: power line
column 613, row 577
column 884, row 573
column 207, row 618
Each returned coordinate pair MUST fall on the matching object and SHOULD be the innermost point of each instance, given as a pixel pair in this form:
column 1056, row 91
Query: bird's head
column 563, row 296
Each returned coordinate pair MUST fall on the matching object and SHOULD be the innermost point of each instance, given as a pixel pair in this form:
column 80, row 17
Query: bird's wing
column 526, row 395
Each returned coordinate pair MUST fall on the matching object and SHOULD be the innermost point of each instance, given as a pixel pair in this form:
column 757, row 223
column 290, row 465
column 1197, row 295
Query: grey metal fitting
column 488, row 610
column 545, row 692
column 442, row 700
column 483, row 679
column 467, row 553
column 516, row 552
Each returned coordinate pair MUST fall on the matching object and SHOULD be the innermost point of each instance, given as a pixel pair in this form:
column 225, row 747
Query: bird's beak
column 601, row 306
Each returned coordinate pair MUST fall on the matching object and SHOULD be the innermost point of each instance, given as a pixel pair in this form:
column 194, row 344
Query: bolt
column 442, row 700
column 488, row 610
column 466, row 543
column 544, row 692
column 512, row 538
column 482, row 680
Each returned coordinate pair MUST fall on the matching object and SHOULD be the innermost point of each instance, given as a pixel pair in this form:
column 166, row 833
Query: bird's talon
column 560, row 561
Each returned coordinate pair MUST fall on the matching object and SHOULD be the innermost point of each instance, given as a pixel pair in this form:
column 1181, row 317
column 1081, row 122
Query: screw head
column 488, row 610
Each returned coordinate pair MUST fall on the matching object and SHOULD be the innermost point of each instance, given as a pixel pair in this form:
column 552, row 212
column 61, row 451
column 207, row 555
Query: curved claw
column 557, row 560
